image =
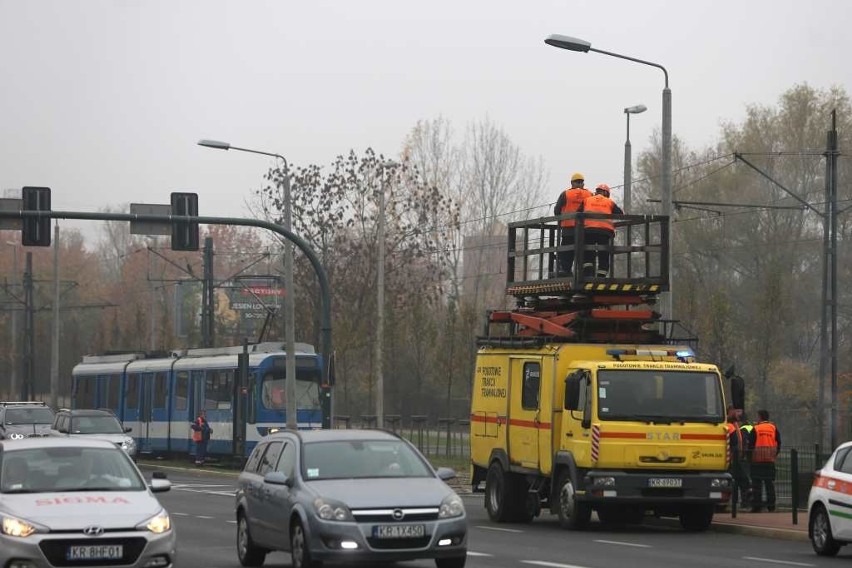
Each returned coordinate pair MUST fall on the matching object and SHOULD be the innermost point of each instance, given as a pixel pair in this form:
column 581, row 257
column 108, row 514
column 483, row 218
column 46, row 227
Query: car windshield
column 95, row 425
column 359, row 459
column 48, row 470
column 35, row 415
column 660, row 396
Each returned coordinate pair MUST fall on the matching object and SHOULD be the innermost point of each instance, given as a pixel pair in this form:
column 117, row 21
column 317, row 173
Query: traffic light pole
column 186, row 220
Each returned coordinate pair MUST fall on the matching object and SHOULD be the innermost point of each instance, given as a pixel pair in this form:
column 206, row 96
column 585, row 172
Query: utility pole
column 208, row 308
column 54, row 346
column 14, row 387
column 29, row 330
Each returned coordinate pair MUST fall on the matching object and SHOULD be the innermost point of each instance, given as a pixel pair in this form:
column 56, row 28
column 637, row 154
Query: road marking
column 200, row 485
column 619, row 543
column 784, row 562
column 231, row 522
column 498, row 529
column 203, row 517
column 472, row 553
column 180, row 514
column 550, row 564
column 205, row 491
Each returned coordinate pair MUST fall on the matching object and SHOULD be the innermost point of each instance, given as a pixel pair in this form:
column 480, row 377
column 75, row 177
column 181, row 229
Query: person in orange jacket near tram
column 569, row 201
column 201, row 432
column 599, row 231
column 765, row 444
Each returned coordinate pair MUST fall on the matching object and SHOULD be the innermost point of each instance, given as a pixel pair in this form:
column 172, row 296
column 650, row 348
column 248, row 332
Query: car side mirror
column 446, row 473
column 159, row 485
column 277, row 478
column 128, row 429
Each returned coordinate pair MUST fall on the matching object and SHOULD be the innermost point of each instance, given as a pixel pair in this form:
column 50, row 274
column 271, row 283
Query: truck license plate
column 399, row 531
column 95, row 552
column 665, row 482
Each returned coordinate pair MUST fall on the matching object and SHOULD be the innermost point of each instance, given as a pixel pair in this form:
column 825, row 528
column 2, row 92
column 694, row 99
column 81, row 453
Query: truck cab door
column 524, row 412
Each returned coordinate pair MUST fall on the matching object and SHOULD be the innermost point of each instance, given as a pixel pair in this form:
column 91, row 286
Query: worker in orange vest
column 766, row 444
column 569, row 201
column 599, row 231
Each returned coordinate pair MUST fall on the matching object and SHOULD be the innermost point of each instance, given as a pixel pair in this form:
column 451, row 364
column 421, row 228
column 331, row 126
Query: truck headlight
column 17, row 527
column 158, row 524
column 451, row 506
column 720, row 483
column 608, row 481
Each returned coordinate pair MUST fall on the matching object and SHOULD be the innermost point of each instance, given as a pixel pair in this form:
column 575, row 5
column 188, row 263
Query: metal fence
column 433, row 436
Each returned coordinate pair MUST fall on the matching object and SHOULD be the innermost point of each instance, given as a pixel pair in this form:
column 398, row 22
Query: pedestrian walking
column 569, row 201
column 766, row 444
column 201, row 432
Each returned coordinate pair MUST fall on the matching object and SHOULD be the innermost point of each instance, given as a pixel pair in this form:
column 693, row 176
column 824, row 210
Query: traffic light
column 184, row 233
column 35, row 231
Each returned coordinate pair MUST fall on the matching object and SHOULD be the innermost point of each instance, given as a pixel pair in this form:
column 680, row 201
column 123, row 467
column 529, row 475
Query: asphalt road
column 202, row 509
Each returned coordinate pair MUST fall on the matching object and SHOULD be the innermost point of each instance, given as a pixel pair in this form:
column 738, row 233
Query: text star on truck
column 584, row 403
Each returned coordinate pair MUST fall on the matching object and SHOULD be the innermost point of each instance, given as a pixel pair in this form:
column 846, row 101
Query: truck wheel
column 696, row 518
column 572, row 514
column 495, row 494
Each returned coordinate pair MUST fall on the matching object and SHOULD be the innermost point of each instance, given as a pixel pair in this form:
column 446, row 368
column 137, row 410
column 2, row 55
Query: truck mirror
column 572, row 392
column 730, row 371
column 738, row 392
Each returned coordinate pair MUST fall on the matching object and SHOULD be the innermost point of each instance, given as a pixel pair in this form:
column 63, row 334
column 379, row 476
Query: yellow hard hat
column 577, row 176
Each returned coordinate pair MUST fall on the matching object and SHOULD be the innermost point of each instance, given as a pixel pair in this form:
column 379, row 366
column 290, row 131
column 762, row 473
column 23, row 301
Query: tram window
column 181, row 389
column 131, row 395
column 219, row 385
column 85, row 395
column 273, row 393
column 160, row 390
column 113, row 387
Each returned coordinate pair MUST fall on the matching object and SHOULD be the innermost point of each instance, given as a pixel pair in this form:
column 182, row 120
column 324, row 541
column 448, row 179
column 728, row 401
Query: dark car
column 338, row 495
column 20, row 420
column 94, row 424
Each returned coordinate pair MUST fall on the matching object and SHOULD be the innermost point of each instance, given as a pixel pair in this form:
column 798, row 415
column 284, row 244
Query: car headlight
column 157, row 524
column 451, row 506
column 17, row 527
column 328, row 510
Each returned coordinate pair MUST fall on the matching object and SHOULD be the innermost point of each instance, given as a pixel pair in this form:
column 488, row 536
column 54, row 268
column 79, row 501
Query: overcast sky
column 104, row 101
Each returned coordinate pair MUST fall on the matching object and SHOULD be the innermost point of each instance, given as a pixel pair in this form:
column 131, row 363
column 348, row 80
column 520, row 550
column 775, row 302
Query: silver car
column 338, row 495
column 94, row 423
column 72, row 502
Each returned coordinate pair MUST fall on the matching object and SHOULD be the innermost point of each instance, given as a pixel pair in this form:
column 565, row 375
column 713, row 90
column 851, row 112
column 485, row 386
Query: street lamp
column 628, row 166
column 583, row 46
column 289, row 312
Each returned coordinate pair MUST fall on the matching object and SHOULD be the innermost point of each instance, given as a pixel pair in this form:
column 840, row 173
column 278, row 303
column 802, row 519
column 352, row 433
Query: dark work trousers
column 739, row 472
column 566, row 258
column 763, row 476
column 200, row 451
column 594, row 237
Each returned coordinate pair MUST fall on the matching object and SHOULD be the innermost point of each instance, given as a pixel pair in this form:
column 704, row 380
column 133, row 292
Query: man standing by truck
column 766, row 444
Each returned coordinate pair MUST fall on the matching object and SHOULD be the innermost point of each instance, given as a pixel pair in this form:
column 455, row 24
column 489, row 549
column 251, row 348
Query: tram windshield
column 274, row 390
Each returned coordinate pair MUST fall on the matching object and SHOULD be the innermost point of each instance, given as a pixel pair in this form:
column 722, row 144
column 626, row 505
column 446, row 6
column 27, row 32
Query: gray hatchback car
column 338, row 495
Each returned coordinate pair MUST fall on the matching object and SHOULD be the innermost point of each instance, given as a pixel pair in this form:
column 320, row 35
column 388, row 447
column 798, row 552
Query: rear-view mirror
column 572, row 392
column 277, row 478
column 128, row 429
column 446, row 473
column 158, row 485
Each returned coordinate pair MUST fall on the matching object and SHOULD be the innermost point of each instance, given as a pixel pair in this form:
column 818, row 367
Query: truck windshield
column 660, row 396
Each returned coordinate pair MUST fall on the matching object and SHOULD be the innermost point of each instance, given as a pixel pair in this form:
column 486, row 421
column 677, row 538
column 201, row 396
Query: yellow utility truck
column 581, row 400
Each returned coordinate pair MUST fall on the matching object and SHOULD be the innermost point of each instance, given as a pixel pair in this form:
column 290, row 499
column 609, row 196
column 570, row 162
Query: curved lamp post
column 583, row 46
column 289, row 311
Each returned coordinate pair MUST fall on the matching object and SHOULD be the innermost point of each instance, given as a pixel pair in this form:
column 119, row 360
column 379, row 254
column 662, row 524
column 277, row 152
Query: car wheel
column 696, row 518
column 821, row 538
column 572, row 515
column 248, row 553
column 454, row 562
column 300, row 549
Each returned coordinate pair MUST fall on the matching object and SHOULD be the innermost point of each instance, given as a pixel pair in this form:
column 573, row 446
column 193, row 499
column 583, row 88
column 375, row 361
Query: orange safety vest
column 599, row 204
column 574, row 197
column 765, row 446
column 196, row 434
